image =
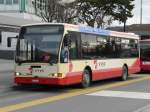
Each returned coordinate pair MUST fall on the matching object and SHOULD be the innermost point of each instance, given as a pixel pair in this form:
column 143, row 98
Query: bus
column 66, row 54
column 145, row 54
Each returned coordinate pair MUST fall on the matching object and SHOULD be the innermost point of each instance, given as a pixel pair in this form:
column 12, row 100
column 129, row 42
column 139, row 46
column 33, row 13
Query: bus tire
column 124, row 76
column 86, row 79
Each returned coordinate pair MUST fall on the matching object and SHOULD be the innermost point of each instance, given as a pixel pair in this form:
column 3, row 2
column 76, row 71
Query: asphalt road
column 104, row 96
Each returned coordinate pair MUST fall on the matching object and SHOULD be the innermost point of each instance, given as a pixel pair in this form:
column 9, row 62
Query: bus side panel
column 145, row 66
column 73, row 78
column 135, row 67
column 107, row 73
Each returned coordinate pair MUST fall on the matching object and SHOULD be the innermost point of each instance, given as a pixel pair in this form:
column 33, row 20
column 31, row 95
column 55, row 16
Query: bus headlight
column 17, row 74
column 56, row 75
column 53, row 75
column 59, row 74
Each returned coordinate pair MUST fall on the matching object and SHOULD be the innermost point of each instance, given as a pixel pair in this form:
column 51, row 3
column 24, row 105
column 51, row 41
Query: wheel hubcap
column 86, row 78
column 124, row 73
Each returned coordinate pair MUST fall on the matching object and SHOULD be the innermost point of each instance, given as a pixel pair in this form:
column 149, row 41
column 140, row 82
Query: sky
column 136, row 13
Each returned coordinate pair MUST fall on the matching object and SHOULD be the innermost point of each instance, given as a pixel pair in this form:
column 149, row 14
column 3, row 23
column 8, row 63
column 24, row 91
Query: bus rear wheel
column 86, row 79
column 124, row 76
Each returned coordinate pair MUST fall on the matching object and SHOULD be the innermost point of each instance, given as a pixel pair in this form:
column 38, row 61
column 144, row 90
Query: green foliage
column 101, row 12
column 93, row 12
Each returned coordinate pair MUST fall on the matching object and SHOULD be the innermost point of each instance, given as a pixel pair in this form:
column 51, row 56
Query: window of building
column 15, row 1
column 1, row 1
column 8, row 2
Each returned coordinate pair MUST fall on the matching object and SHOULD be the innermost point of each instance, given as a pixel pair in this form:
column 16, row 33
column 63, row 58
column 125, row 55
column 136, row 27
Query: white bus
column 64, row 54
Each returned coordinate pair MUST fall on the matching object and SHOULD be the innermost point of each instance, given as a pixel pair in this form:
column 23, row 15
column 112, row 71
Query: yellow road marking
column 68, row 95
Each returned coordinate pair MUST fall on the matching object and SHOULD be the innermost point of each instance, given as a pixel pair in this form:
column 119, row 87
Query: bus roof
column 88, row 29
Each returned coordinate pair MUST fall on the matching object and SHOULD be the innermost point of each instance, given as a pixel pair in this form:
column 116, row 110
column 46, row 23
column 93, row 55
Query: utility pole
column 125, row 20
column 141, row 12
column 124, row 26
column 141, row 16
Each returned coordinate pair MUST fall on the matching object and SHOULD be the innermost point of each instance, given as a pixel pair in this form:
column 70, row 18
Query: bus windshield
column 39, row 44
column 145, row 51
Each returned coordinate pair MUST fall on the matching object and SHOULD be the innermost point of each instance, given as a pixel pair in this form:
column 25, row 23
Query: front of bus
column 145, row 55
column 37, row 55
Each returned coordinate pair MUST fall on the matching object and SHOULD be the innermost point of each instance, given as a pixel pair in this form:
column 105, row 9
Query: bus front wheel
column 124, row 76
column 86, row 79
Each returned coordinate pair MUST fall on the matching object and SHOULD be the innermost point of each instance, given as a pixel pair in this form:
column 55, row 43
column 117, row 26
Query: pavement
column 6, row 65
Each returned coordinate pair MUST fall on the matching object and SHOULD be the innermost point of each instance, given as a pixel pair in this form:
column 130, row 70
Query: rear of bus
column 145, row 54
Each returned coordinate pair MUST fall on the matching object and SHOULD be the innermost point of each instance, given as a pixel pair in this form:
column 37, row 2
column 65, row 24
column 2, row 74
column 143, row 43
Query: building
column 26, row 9
column 13, row 14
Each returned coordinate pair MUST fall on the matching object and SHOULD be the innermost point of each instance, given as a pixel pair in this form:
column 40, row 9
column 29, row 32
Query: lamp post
column 141, row 16
column 141, row 12
column 125, row 19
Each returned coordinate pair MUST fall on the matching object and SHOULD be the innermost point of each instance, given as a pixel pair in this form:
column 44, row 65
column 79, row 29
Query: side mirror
column 9, row 42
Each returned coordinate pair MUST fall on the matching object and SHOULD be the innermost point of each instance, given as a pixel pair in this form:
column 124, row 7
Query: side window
column 106, row 47
column 125, row 48
column 75, row 47
column 88, row 45
column 117, row 47
column 129, row 48
column 73, row 50
column 71, row 47
column 101, row 46
column 134, row 48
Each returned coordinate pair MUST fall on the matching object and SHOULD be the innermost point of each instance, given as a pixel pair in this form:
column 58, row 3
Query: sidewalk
column 6, row 65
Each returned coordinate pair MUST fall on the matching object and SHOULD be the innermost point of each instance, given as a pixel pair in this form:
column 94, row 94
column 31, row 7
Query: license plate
column 35, row 80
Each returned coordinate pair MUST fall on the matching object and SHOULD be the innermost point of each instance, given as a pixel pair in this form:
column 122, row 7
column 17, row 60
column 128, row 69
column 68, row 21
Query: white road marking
column 122, row 94
column 144, row 109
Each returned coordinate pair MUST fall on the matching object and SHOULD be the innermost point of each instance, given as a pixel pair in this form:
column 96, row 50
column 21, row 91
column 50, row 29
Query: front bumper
column 43, row 81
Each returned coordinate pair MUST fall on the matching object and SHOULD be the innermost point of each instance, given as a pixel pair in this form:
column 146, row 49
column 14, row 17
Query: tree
column 101, row 12
column 56, row 11
column 124, row 8
column 93, row 12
